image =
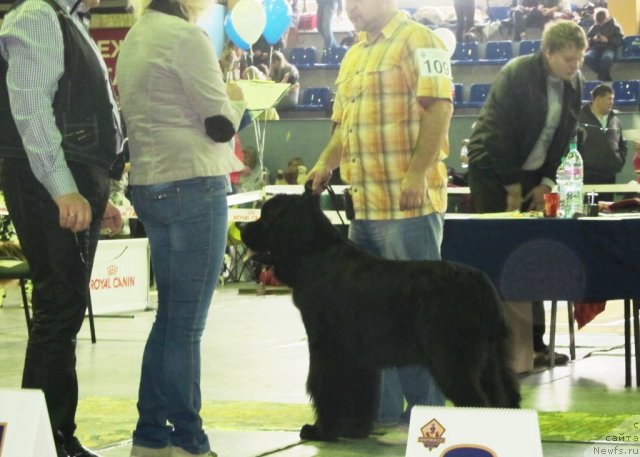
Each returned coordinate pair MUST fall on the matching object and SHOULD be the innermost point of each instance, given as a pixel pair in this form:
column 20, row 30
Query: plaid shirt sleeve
column 32, row 43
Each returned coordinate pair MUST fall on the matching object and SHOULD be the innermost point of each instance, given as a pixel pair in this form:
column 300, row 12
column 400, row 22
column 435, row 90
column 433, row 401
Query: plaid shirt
column 31, row 40
column 378, row 110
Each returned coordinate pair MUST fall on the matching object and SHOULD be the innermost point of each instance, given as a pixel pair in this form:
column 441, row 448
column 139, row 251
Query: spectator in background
column 600, row 140
column 290, row 37
column 465, row 12
column 232, row 61
column 605, row 38
column 536, row 13
column 252, row 176
column 327, row 9
column 282, row 71
column 293, row 166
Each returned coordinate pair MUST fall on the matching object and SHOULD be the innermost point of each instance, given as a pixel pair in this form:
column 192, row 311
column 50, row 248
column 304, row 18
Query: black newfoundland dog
column 362, row 313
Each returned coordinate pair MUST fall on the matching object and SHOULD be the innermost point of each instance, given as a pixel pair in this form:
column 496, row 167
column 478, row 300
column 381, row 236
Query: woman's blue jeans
column 186, row 222
column 416, row 238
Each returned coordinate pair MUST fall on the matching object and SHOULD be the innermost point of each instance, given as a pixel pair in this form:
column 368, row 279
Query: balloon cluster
column 249, row 19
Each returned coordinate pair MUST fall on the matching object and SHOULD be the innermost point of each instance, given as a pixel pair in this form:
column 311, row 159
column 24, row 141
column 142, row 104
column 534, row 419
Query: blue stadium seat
column 315, row 99
column 498, row 13
column 626, row 93
column 332, row 57
column 528, row 47
column 466, row 53
column 587, row 88
column 498, row 52
column 458, row 95
column 630, row 48
column 477, row 95
column 303, row 57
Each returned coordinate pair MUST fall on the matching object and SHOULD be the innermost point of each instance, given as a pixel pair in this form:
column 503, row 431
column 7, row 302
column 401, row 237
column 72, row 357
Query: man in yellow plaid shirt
column 392, row 112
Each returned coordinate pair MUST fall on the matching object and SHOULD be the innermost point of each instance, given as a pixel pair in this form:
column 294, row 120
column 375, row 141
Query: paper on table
column 631, row 134
column 262, row 95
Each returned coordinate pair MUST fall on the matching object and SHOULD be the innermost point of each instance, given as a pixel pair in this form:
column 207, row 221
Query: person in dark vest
column 61, row 133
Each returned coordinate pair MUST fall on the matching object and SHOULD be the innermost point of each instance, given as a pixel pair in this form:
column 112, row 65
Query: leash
column 334, row 200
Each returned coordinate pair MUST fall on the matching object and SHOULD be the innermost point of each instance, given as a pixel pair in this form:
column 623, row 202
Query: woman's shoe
column 141, row 451
column 179, row 452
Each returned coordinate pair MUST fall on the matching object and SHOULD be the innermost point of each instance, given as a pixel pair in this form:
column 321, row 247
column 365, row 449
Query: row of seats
column 626, row 93
column 496, row 52
column 466, row 53
column 500, row 52
column 306, row 58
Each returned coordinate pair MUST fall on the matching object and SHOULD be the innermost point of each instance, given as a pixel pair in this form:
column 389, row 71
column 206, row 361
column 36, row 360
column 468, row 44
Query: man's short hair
column 601, row 14
column 563, row 34
column 600, row 91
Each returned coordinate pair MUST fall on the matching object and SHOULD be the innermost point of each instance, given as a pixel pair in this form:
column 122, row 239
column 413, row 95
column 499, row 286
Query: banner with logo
column 120, row 276
column 473, row 432
column 109, row 42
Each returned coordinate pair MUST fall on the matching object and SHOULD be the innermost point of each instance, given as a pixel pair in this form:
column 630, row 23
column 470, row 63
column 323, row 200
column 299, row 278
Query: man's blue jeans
column 403, row 239
column 600, row 61
column 186, row 222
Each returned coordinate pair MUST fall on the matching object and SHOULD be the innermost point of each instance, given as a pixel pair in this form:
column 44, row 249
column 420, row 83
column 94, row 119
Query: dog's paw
column 312, row 433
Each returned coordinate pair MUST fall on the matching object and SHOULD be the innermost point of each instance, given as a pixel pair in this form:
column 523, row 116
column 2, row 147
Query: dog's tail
column 499, row 379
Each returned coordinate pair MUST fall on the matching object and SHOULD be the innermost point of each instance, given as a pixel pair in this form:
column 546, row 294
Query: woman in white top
column 180, row 117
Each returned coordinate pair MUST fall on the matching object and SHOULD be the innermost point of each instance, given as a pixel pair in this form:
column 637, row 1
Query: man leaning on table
column 523, row 130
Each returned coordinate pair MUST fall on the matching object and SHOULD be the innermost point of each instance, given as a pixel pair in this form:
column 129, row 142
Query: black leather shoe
column 543, row 359
column 75, row 449
column 60, row 451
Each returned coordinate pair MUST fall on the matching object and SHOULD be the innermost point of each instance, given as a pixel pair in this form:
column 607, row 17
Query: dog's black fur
column 362, row 313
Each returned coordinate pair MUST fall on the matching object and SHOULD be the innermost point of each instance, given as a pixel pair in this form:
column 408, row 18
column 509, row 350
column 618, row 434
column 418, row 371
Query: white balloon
column 249, row 19
column 448, row 38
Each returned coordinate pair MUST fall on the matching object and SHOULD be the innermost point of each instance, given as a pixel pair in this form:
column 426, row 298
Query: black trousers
column 60, row 263
column 489, row 196
column 464, row 20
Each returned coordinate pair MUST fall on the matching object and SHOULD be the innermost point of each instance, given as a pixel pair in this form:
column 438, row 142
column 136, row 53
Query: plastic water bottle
column 574, row 173
column 561, row 184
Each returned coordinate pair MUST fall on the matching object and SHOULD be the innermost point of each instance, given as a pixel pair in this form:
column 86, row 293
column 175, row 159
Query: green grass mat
column 103, row 421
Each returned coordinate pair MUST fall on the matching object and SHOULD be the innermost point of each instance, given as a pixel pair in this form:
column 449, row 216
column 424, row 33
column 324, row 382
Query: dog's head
column 290, row 228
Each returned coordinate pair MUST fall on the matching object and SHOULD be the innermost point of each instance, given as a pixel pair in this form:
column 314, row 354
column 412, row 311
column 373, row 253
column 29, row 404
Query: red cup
column 551, row 204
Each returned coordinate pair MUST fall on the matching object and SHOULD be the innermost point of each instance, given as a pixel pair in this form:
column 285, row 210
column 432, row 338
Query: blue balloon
column 278, row 20
column 233, row 35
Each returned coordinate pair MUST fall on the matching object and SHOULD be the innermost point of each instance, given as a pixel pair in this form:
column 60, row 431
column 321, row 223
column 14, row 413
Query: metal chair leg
column 572, row 330
column 552, row 334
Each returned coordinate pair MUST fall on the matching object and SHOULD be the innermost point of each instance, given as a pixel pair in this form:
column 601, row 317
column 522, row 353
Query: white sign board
column 25, row 430
column 473, row 432
column 120, row 276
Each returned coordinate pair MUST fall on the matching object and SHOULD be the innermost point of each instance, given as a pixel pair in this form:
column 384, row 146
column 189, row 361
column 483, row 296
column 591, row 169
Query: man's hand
column 514, row 197
column 75, row 212
column 320, row 175
column 536, row 197
column 413, row 191
column 112, row 219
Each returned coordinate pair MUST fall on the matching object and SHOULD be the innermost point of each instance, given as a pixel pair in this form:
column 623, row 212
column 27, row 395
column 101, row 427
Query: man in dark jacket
column 61, row 133
column 600, row 140
column 605, row 37
column 524, row 128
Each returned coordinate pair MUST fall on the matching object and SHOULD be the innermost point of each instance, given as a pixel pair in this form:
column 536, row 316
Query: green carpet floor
column 103, row 421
